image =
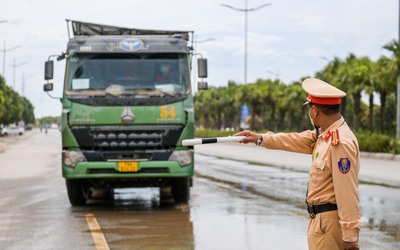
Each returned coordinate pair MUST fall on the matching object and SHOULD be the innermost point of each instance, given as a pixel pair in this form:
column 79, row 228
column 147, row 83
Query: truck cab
column 127, row 104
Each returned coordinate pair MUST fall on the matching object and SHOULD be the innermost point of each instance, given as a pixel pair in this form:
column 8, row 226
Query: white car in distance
column 13, row 130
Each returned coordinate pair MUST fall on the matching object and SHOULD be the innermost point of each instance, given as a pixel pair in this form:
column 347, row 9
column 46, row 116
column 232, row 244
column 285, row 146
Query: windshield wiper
column 154, row 92
column 112, row 94
column 162, row 92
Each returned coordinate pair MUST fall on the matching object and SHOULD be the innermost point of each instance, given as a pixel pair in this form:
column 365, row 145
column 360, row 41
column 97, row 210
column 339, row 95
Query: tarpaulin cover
column 91, row 29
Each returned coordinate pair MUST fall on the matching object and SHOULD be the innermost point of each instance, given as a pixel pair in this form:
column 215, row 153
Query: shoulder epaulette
column 334, row 135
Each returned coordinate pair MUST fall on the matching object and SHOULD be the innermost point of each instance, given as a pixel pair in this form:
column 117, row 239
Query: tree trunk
column 383, row 107
column 253, row 117
column 281, row 125
column 272, row 124
column 357, row 110
column 343, row 106
column 303, row 118
column 291, row 117
column 371, row 113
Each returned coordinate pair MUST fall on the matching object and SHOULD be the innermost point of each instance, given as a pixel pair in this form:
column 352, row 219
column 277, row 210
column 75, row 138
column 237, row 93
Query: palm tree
column 2, row 98
column 231, row 106
column 281, row 105
column 267, row 88
column 387, row 73
column 394, row 47
column 292, row 100
column 251, row 94
column 333, row 74
column 203, row 108
column 370, row 89
column 355, row 74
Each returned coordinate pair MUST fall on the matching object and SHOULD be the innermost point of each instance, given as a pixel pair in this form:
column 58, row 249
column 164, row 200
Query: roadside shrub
column 372, row 142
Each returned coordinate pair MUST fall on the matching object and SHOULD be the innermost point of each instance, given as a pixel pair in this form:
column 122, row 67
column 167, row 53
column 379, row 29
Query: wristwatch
column 259, row 140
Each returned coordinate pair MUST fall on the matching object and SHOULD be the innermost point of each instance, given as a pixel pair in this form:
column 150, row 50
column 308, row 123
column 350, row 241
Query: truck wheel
column 180, row 189
column 78, row 191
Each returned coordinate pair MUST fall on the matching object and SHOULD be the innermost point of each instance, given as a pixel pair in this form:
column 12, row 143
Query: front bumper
column 146, row 169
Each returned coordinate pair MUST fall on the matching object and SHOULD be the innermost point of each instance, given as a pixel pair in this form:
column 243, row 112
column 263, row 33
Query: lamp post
column 245, row 10
column 14, row 65
column 24, row 77
column 4, row 56
column 276, row 74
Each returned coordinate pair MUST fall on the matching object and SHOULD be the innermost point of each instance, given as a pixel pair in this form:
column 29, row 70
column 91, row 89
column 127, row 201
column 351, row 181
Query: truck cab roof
column 99, row 38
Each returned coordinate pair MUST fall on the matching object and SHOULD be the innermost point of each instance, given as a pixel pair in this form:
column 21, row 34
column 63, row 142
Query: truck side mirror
column 202, row 86
column 202, row 67
column 48, row 87
column 48, row 70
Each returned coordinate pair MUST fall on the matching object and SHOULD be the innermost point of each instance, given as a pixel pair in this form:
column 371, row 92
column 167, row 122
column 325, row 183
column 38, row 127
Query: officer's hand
column 250, row 136
column 351, row 245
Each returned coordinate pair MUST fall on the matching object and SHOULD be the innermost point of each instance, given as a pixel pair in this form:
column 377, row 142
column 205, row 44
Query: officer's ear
column 316, row 110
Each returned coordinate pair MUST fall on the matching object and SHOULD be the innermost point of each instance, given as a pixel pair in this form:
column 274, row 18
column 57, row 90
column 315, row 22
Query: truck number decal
column 165, row 112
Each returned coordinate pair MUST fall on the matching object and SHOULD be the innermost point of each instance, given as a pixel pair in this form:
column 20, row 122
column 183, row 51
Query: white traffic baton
column 198, row 141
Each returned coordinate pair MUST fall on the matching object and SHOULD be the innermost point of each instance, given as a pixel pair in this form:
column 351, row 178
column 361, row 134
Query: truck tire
column 180, row 189
column 78, row 191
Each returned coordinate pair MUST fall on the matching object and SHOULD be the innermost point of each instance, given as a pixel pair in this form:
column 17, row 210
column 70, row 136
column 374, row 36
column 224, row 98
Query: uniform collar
column 334, row 126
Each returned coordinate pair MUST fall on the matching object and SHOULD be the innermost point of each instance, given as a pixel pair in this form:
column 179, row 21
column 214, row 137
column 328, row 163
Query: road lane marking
column 97, row 234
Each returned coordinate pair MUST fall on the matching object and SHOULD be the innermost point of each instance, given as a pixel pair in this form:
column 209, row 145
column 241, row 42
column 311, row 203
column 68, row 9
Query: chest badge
column 344, row 165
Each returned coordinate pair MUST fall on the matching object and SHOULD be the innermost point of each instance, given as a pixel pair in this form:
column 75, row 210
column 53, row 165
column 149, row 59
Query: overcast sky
column 289, row 38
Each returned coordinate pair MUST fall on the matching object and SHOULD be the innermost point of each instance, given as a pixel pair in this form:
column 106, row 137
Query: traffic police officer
column 332, row 194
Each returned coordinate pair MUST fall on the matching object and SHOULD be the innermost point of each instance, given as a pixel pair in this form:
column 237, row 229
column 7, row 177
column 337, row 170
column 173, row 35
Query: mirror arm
column 50, row 56
column 64, row 55
column 52, row 97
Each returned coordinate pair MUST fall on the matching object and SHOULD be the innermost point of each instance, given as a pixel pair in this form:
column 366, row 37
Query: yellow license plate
column 127, row 166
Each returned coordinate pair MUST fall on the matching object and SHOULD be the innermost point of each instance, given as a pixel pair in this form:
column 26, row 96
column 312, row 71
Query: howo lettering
column 127, row 104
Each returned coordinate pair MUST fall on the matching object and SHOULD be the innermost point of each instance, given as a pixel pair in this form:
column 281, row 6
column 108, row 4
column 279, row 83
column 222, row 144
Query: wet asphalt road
column 234, row 205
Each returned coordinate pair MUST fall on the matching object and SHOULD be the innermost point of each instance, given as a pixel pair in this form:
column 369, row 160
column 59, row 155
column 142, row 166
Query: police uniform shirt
column 334, row 170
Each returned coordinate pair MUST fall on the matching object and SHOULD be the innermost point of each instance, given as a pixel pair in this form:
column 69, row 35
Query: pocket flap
column 319, row 163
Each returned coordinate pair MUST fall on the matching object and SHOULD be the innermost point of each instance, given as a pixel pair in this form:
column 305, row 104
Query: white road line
column 97, row 234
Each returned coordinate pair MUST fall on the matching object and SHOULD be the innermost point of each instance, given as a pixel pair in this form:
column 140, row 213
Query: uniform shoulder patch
column 344, row 165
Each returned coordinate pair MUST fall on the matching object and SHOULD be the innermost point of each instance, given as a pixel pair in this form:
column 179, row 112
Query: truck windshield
column 127, row 75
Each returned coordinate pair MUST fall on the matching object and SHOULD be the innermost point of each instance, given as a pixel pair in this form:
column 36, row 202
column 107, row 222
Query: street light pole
column 15, row 66
column 276, row 74
column 4, row 57
column 24, row 77
column 245, row 10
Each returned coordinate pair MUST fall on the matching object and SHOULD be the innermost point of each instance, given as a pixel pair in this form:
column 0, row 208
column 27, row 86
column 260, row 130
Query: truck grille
column 127, row 138
column 127, row 142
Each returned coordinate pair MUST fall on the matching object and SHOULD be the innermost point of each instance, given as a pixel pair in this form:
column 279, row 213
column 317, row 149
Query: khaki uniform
column 333, row 179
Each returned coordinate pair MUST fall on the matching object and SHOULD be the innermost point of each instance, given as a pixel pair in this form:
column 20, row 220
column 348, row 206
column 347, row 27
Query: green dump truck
column 127, row 104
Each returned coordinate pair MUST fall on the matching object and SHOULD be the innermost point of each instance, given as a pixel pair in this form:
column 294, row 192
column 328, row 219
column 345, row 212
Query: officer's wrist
column 259, row 140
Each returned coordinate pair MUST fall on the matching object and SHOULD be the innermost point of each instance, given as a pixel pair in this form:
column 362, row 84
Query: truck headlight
column 183, row 157
column 71, row 158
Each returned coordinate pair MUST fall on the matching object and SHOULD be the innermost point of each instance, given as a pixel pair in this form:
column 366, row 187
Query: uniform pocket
column 330, row 222
column 318, row 170
column 314, row 226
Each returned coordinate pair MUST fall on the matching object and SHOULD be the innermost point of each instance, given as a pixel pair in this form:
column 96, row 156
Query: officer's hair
column 327, row 109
